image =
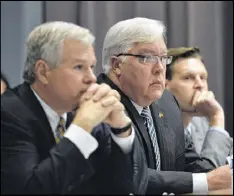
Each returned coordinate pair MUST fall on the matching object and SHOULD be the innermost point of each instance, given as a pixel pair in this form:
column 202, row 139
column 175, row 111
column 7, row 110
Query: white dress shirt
column 83, row 140
column 199, row 179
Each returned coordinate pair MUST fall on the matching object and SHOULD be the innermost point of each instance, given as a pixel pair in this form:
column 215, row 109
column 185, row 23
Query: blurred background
column 204, row 24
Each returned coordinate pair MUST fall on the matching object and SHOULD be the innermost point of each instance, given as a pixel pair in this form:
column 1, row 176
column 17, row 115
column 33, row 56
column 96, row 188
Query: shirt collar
column 52, row 116
column 138, row 107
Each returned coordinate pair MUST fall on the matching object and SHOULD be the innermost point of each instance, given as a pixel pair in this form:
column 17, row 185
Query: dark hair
column 181, row 53
column 4, row 79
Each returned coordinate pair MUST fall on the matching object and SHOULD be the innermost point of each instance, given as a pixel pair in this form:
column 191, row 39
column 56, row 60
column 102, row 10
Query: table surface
column 217, row 192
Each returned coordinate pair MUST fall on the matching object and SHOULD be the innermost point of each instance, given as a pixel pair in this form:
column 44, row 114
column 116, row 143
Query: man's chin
column 191, row 111
column 75, row 108
column 188, row 110
column 157, row 95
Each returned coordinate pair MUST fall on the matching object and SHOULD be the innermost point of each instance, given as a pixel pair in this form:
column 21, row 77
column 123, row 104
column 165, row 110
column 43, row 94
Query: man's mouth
column 156, row 83
column 83, row 91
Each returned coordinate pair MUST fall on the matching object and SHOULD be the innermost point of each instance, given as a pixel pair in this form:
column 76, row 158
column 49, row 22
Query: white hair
column 46, row 42
column 122, row 36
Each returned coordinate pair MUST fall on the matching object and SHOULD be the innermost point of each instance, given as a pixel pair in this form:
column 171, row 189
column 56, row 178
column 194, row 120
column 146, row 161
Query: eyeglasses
column 148, row 59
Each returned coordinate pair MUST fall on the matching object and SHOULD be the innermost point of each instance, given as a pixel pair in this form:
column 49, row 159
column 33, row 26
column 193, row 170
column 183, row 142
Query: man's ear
column 41, row 71
column 116, row 65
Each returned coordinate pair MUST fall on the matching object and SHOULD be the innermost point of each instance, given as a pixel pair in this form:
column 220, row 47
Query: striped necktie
column 59, row 132
column 188, row 139
column 152, row 133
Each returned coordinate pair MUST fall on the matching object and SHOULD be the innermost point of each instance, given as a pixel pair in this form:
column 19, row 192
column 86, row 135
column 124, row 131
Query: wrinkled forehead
column 154, row 48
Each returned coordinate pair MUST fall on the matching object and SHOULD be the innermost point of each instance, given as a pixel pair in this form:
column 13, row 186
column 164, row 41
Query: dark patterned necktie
column 60, row 130
column 152, row 133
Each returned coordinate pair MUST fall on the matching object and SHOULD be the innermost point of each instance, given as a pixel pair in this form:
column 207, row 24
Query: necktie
column 188, row 139
column 59, row 132
column 152, row 133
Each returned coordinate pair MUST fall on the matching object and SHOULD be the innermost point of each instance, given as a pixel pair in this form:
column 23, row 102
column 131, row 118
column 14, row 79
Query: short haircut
column 46, row 42
column 181, row 53
column 122, row 36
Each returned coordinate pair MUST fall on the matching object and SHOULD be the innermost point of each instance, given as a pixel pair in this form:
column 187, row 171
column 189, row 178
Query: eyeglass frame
column 145, row 56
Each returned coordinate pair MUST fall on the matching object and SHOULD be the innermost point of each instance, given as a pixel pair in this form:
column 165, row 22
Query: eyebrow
column 151, row 52
column 189, row 73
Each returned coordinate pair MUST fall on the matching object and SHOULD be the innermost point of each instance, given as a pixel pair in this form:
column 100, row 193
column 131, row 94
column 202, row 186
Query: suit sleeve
column 216, row 147
column 196, row 163
column 22, row 172
column 124, row 173
column 169, row 181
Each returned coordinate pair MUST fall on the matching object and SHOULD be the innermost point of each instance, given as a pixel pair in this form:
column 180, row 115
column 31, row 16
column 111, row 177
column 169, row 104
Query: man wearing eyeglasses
column 134, row 60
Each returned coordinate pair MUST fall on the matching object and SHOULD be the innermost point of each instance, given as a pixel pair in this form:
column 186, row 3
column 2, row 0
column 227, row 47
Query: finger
column 202, row 97
column 101, row 92
column 210, row 95
column 118, row 106
column 195, row 97
column 114, row 93
column 90, row 92
column 107, row 101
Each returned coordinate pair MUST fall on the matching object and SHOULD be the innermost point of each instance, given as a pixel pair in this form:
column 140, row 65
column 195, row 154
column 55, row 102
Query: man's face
column 144, row 82
column 188, row 75
column 71, row 79
column 3, row 87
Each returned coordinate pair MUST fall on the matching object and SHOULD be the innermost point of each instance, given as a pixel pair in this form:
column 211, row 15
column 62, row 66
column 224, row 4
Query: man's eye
column 187, row 77
column 145, row 59
column 203, row 77
column 92, row 67
column 79, row 67
column 141, row 59
column 148, row 58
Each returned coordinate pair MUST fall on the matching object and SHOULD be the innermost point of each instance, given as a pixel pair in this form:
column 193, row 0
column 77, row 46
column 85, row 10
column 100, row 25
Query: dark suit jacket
column 31, row 162
column 170, row 135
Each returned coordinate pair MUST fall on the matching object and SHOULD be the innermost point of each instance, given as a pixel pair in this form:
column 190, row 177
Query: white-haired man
column 37, row 155
column 134, row 60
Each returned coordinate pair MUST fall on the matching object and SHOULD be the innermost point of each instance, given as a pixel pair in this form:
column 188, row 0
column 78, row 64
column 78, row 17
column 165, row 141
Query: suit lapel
column 164, row 135
column 28, row 97
column 70, row 117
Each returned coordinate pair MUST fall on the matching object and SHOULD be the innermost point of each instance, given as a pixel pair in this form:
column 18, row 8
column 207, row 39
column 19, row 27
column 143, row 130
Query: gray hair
column 122, row 36
column 46, row 42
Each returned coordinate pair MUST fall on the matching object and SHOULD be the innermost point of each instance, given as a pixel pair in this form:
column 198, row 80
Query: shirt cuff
column 83, row 140
column 200, row 183
column 214, row 128
column 125, row 143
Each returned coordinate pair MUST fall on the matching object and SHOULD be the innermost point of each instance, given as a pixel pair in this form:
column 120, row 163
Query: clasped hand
column 100, row 104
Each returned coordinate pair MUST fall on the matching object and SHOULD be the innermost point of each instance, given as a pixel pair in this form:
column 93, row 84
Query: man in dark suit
column 134, row 60
column 37, row 155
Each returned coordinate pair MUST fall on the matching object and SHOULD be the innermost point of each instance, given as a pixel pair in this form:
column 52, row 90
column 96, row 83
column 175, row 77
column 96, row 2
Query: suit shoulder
column 168, row 98
column 12, row 106
column 10, row 100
